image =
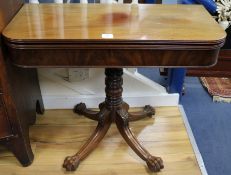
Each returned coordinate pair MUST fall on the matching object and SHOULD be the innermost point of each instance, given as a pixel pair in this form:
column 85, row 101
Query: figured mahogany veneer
column 113, row 36
column 221, row 69
column 99, row 35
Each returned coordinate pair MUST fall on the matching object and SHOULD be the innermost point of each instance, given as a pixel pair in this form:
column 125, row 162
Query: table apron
column 112, row 57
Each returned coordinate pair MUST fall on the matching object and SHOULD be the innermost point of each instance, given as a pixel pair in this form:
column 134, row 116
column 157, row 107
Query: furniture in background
column 20, row 96
column 118, row 36
column 223, row 66
column 221, row 69
column 176, row 76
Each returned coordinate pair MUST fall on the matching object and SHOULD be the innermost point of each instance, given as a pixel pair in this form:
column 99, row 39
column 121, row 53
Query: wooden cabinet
column 19, row 95
column 5, row 130
column 7, row 10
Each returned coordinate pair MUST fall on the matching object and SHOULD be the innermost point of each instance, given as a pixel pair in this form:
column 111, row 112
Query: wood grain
column 5, row 130
column 113, row 109
column 51, row 142
column 139, row 35
column 128, row 22
column 20, row 93
column 106, row 57
column 7, row 10
column 221, row 69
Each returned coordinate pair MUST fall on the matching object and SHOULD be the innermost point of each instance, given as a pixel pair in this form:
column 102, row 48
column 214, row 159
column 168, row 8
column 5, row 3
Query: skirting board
column 52, row 102
column 59, row 93
column 193, row 142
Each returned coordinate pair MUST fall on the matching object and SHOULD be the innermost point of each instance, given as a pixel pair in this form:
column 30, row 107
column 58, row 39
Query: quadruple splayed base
column 113, row 110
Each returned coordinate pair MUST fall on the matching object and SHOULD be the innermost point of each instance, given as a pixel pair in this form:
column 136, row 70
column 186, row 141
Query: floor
column 59, row 133
column 210, row 123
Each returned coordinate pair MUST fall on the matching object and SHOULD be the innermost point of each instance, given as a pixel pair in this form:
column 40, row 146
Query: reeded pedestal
column 113, row 110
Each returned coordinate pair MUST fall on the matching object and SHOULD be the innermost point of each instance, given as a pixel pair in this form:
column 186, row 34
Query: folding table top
column 158, row 23
column 117, row 26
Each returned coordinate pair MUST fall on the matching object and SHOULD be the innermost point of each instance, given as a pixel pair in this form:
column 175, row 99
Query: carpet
column 218, row 88
column 210, row 123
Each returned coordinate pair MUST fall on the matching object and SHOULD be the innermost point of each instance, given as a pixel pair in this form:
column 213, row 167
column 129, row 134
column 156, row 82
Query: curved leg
column 148, row 111
column 125, row 106
column 81, row 109
column 71, row 163
column 21, row 148
column 39, row 107
column 155, row 164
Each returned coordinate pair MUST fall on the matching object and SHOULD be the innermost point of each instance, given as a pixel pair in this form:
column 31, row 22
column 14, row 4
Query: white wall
column 170, row 1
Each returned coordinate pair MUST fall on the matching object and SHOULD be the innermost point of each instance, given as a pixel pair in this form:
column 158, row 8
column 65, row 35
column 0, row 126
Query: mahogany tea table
column 113, row 36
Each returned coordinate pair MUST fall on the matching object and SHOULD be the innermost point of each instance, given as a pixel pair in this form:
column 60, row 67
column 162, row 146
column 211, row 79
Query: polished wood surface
column 65, row 35
column 221, row 69
column 7, row 10
column 61, row 132
column 141, row 35
column 20, row 95
column 5, row 130
column 40, row 56
column 144, row 23
column 223, row 66
column 113, row 109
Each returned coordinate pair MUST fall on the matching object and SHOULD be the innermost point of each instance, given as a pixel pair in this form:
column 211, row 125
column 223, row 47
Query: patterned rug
column 218, row 88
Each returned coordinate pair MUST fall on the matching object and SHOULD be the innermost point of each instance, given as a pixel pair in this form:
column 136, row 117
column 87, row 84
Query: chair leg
column 71, row 163
column 155, row 164
column 148, row 111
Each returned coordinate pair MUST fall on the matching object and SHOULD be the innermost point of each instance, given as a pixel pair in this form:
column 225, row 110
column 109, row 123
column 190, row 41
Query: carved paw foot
column 155, row 164
column 71, row 163
column 149, row 110
column 79, row 108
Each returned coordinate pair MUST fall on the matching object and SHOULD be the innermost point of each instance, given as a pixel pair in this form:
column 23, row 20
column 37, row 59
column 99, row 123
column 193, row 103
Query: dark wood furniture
column 221, row 69
column 223, row 66
column 19, row 96
column 112, row 36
